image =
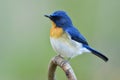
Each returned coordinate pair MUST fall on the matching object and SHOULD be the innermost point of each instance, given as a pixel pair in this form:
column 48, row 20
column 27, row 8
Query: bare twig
column 62, row 63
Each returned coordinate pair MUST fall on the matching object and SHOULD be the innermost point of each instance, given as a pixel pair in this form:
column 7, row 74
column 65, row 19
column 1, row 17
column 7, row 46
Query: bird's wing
column 75, row 35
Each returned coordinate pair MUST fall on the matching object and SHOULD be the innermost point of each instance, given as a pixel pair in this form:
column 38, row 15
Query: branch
column 62, row 63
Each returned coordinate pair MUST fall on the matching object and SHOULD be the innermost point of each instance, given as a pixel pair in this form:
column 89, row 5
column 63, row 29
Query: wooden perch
column 62, row 63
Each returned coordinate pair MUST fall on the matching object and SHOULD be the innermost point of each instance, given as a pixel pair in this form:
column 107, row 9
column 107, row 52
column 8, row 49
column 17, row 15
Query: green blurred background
column 25, row 50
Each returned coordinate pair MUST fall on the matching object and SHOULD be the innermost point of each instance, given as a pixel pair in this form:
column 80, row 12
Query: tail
column 100, row 55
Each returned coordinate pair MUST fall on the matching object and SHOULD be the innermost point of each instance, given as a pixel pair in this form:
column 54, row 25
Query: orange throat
column 55, row 32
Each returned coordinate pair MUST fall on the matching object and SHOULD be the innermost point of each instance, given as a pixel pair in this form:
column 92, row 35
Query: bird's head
column 60, row 18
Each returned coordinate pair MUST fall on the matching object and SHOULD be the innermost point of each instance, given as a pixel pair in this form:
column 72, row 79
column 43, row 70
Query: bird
column 66, row 40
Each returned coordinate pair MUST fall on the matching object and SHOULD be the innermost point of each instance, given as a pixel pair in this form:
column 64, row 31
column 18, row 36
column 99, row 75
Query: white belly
column 67, row 47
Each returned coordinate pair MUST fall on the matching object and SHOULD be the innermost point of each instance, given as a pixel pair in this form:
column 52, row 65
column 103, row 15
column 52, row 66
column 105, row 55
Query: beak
column 48, row 16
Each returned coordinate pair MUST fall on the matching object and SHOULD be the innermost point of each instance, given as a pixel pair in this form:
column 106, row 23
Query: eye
column 57, row 17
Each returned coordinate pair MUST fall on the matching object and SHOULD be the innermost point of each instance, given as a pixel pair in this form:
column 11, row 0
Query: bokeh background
column 25, row 50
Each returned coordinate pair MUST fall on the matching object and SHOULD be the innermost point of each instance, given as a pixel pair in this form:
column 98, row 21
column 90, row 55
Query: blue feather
column 97, row 53
column 75, row 35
